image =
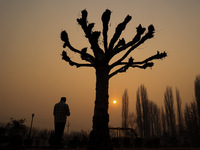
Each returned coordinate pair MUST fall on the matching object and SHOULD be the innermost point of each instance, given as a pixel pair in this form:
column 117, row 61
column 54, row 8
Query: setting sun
column 114, row 101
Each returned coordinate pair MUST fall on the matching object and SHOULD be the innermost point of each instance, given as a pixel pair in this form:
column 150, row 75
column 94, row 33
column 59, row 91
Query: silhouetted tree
column 187, row 117
column 157, row 123
column 191, row 122
column 139, row 114
column 100, row 60
column 179, row 112
column 163, row 121
column 125, row 104
column 144, row 120
column 132, row 122
column 145, row 110
column 194, row 117
column 170, row 113
column 157, row 113
column 151, row 118
column 154, row 117
column 197, row 95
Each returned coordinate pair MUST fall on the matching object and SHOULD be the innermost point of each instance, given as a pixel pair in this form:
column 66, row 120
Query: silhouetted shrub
column 127, row 142
column 148, row 143
column 28, row 142
column 115, row 142
column 15, row 142
column 3, row 137
column 74, row 143
column 52, row 141
column 138, row 142
column 156, row 142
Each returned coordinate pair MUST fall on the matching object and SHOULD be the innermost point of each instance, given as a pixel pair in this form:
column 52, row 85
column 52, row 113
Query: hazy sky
column 33, row 76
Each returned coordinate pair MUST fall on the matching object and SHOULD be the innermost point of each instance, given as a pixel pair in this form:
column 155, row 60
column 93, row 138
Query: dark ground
column 122, row 148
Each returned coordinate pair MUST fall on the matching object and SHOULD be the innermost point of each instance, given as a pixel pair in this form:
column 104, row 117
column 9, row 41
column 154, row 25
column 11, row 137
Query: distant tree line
column 175, row 125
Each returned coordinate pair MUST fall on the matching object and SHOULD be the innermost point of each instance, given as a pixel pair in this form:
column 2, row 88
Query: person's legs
column 56, row 134
column 59, row 130
column 62, row 127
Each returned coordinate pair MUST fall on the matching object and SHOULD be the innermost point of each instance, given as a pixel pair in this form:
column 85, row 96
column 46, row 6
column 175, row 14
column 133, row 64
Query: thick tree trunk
column 99, row 136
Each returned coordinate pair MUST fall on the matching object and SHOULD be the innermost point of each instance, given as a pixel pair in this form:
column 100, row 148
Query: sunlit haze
column 33, row 75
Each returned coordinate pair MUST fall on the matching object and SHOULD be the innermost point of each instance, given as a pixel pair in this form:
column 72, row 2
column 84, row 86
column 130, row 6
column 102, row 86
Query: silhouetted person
column 61, row 111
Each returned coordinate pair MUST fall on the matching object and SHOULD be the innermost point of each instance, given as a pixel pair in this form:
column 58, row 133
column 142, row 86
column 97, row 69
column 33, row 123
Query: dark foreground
column 166, row 148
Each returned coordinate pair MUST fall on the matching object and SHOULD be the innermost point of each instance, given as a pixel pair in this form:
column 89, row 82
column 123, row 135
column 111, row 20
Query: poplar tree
column 143, row 111
column 125, row 104
column 179, row 113
column 139, row 114
column 197, row 95
column 170, row 112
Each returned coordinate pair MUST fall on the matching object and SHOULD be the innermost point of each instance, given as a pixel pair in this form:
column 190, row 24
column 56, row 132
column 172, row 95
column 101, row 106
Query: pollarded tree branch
column 148, row 35
column 105, row 19
column 157, row 56
column 120, row 70
column 125, row 68
column 84, row 55
column 72, row 63
column 118, row 31
column 89, row 34
column 122, row 45
column 142, row 64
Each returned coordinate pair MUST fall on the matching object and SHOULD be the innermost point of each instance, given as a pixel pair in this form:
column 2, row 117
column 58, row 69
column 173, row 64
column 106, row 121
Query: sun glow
column 114, row 101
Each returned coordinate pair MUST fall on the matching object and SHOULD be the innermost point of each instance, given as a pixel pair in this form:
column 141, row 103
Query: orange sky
column 33, row 77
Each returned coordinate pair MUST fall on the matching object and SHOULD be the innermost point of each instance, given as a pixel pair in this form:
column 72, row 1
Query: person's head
column 63, row 99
